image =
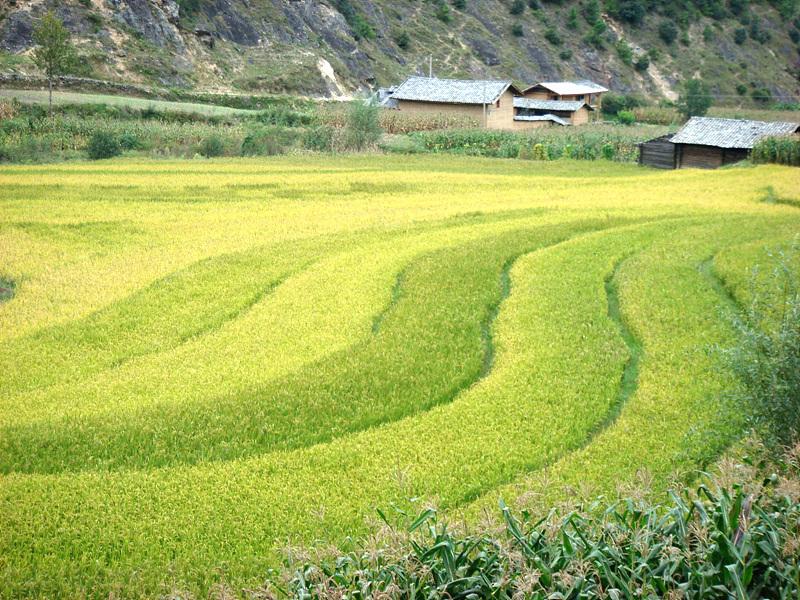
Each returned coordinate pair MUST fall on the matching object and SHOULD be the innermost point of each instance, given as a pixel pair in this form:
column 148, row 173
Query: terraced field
column 203, row 362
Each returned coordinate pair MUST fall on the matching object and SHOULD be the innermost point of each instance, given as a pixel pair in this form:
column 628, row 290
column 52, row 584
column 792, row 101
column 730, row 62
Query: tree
column 667, row 31
column 54, row 53
column 695, row 99
column 517, row 7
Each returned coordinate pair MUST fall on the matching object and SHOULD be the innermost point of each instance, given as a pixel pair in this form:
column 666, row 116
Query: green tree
column 517, row 7
column 362, row 127
column 572, row 19
column 668, row 31
column 695, row 99
column 54, row 53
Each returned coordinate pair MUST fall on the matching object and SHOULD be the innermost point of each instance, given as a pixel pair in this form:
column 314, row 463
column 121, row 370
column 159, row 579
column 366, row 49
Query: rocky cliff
column 336, row 47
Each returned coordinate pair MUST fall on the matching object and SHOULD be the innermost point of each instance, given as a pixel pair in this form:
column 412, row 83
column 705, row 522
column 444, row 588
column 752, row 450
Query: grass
column 41, row 97
column 205, row 361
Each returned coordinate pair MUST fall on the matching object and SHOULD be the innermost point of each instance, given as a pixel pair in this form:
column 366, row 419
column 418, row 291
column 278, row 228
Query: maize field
column 206, row 362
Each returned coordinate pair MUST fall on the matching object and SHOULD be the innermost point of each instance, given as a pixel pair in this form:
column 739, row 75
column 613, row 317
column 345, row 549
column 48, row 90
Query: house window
column 498, row 103
column 581, row 97
column 553, row 97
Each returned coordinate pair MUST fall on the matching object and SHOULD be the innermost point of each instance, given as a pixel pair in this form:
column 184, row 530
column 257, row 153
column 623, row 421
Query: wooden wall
column 691, row 156
column 659, row 153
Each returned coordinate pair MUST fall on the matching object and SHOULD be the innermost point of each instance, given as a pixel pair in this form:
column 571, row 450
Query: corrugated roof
column 570, row 88
column 533, row 104
column 729, row 133
column 451, row 91
column 552, row 118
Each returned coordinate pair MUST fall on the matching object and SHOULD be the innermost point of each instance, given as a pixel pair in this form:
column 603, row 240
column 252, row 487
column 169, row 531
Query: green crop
column 205, row 361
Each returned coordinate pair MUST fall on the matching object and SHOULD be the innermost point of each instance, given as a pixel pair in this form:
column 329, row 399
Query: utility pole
column 483, row 99
column 430, row 65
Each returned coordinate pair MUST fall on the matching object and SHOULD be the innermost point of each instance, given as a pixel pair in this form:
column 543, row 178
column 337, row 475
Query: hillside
column 335, row 47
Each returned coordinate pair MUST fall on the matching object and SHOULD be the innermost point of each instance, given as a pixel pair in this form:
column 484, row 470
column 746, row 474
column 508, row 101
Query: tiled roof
column 729, row 133
column 552, row 118
column 451, row 91
column 533, row 104
column 570, row 88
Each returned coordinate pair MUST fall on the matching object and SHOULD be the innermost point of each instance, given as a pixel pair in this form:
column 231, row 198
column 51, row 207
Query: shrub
column 767, row 358
column 591, row 12
column 668, row 32
column 517, row 7
column 708, row 34
column 267, row 141
column 761, row 95
column 565, row 54
column 595, row 36
column 284, row 116
column 129, row 141
column 613, row 103
column 319, row 139
column 741, row 89
column 362, row 127
column 642, row 63
column 403, row 40
column 516, row 30
column 608, row 151
column 460, row 4
column 572, row 19
column 212, row 146
column 103, row 144
column 740, row 36
column 443, row 13
column 626, row 117
column 551, row 35
column 624, row 52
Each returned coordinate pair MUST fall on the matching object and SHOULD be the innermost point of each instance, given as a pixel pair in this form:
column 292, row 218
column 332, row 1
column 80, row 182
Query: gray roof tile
column 729, row 133
column 532, row 104
column 451, row 91
column 552, row 118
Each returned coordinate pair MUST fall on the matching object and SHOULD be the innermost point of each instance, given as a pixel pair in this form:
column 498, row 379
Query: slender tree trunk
column 50, row 89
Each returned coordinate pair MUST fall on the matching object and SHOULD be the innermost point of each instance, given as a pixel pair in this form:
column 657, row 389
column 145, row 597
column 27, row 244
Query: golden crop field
column 204, row 362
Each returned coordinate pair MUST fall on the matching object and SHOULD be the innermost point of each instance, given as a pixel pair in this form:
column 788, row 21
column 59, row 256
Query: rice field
column 206, row 362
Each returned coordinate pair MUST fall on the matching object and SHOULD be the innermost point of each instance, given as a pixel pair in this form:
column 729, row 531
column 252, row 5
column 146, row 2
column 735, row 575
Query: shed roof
column 452, row 91
column 552, row 118
column 570, row 88
column 565, row 105
column 730, row 133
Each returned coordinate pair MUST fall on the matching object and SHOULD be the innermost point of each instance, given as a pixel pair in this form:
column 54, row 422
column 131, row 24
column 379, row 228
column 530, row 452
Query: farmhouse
column 585, row 91
column 531, row 112
column 708, row 143
column 490, row 102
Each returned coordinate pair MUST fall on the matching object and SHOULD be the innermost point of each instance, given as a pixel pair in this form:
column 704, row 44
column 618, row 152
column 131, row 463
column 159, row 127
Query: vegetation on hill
column 745, row 50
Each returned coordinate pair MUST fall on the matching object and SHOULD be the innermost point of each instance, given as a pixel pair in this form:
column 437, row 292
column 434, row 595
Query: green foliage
column 572, row 19
column 624, row 52
column 54, row 53
column 551, row 35
column 103, row 144
column 740, row 35
column 591, row 12
column 284, row 116
column 741, row 89
column 460, row 4
column 626, row 117
column 632, row 547
column 761, row 95
column 613, row 103
column 767, row 358
column 708, row 34
column 360, row 26
column 362, row 129
column 780, row 150
column 517, row 7
column 565, row 54
column 403, row 40
column 212, row 146
column 695, row 100
column 319, row 138
column 516, row 30
column 267, row 141
column 443, row 12
column 642, row 63
column 595, row 36
column 667, row 31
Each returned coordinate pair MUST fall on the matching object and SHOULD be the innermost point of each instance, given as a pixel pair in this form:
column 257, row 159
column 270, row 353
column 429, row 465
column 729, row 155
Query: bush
column 741, row 89
column 551, row 35
column 103, row 144
column 319, row 139
column 129, row 141
column 565, row 54
column 614, row 103
column 642, row 63
column 443, row 13
column 624, row 52
column 626, row 117
column 761, row 95
column 517, row 7
column 740, row 36
column 212, row 146
column 362, row 128
column 267, row 141
column 284, row 116
column 767, row 358
column 460, row 4
column 695, row 99
column 516, row 30
column 668, row 32
column 403, row 40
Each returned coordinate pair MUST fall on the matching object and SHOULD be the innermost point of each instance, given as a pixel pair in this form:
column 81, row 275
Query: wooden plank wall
column 657, row 153
column 699, row 157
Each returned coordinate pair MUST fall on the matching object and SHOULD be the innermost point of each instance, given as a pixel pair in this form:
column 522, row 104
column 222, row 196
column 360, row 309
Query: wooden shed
column 709, row 143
